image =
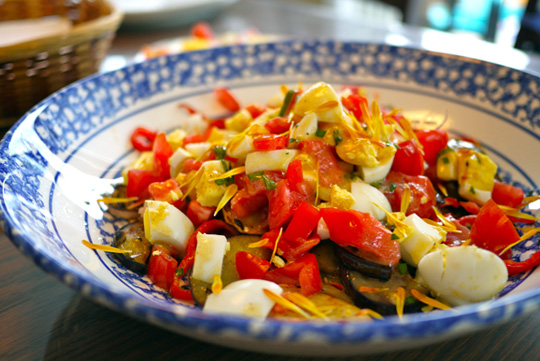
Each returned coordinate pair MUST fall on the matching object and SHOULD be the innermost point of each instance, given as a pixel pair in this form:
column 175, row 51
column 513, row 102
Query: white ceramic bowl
column 65, row 153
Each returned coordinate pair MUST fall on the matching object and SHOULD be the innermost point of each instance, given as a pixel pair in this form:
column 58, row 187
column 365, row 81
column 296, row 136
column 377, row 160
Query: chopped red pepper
column 295, row 175
column 507, row 194
column 303, row 222
column 180, row 289
column 352, row 104
column 162, row 152
column 255, row 110
column 277, row 125
column 250, row 266
column 166, row 191
column 409, row 159
column 198, row 214
column 515, row 268
column 227, row 99
column 282, row 204
column 138, row 182
column 433, row 141
column 142, row 138
column 269, row 142
column 202, row 30
column 161, row 266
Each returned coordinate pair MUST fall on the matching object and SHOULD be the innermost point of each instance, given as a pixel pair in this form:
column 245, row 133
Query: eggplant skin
column 380, row 302
column 131, row 237
column 368, row 268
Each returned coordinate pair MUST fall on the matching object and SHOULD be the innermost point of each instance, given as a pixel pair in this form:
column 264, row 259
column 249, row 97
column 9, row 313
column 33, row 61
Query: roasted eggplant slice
column 380, row 296
column 368, row 268
column 131, row 237
column 119, row 210
column 229, row 274
column 255, row 224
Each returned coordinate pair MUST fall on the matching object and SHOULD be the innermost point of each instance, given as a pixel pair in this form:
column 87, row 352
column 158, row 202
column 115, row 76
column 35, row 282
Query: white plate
column 60, row 158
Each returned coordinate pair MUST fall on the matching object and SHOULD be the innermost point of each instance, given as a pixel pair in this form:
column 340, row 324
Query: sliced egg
column 243, row 298
column 195, row 124
column 420, row 241
column 178, row 157
column 198, row 149
column 209, row 256
column 278, row 159
column 366, row 197
column 164, row 222
column 315, row 98
column 306, row 128
column 375, row 174
column 462, row 275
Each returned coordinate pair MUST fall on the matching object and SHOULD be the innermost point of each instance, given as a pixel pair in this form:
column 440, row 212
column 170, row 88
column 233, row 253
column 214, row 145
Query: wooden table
column 41, row 319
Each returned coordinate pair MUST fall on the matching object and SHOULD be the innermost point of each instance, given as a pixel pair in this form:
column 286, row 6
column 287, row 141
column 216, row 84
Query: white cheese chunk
column 366, row 196
column 178, row 157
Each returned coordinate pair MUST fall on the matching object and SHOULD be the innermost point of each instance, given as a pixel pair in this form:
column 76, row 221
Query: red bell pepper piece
column 433, row 141
column 363, row 231
column 492, row 229
column 353, row 104
column 303, row 222
column 295, row 174
column 277, row 125
column 270, row 142
column 198, row 214
column 227, row 99
column 142, row 138
column 409, row 159
column 162, row 152
column 310, row 279
column 138, row 182
column 250, row 266
column 192, row 165
column 330, row 172
column 244, row 204
column 507, row 194
column 282, row 204
column 202, row 30
column 193, row 138
column 515, row 268
column 303, row 272
column 167, row 191
column 161, row 266
column 255, row 110
column 180, row 289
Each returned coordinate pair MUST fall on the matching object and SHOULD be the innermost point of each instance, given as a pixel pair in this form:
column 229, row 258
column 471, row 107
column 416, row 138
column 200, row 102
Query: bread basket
column 33, row 69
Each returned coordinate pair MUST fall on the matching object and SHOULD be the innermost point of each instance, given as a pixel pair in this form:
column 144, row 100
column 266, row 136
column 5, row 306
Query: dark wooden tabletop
column 41, row 319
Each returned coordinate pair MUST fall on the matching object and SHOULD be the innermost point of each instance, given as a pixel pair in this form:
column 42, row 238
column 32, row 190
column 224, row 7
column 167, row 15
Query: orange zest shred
column 232, row 172
column 331, row 104
column 227, row 196
column 136, row 204
column 366, row 289
column 443, row 189
column 258, row 244
column 466, row 242
column 527, row 235
column 109, row 200
column 305, row 303
column 405, row 200
column 104, row 248
column 402, row 230
column 528, row 200
column 370, row 313
column 284, row 89
column 428, row 300
column 514, row 212
column 276, row 245
column 400, row 301
column 451, row 226
column 217, row 285
column 282, row 301
column 192, row 182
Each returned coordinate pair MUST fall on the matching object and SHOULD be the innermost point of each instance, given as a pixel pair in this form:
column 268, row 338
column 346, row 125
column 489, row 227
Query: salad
column 318, row 204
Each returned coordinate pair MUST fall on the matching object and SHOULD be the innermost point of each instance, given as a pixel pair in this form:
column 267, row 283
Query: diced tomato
column 192, row 165
column 202, row 30
column 255, row 110
column 244, row 204
column 162, row 152
column 269, row 142
column 507, row 194
column 409, row 159
column 363, row 231
column 227, row 99
column 353, row 103
column 257, row 186
column 282, row 204
column 180, row 289
column 453, row 202
column 433, row 141
column 292, row 252
column 198, row 214
column 166, row 191
column 193, row 138
column 138, row 182
column 142, row 138
column 161, row 266
column 422, row 193
column 470, row 207
column 303, row 272
column 492, row 229
column 250, row 266
column 330, row 172
column 295, row 175
column 515, row 268
column 213, row 226
column 310, row 280
column 277, row 125
column 303, row 222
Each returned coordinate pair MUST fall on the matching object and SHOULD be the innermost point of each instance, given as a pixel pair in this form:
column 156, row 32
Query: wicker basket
column 31, row 70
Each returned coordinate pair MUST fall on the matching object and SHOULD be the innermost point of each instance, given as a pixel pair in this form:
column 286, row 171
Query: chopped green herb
column 445, row 160
column 179, row 272
column 255, row 176
column 395, row 145
column 227, row 166
column 392, row 186
column 220, row 151
column 286, row 102
column 268, row 183
column 352, row 175
column 377, row 184
column 220, row 182
column 471, row 189
column 292, row 140
column 410, row 300
column 394, row 237
column 403, row 269
column 320, row 133
column 337, row 136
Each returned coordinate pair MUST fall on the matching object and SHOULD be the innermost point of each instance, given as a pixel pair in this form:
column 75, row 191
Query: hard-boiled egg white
column 420, row 241
column 209, row 256
column 462, row 275
column 164, row 222
column 278, row 159
column 375, row 174
column 178, row 157
column 243, row 298
column 366, row 197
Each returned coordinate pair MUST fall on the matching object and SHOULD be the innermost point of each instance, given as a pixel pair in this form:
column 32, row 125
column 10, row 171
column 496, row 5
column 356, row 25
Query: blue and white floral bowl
column 65, row 153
